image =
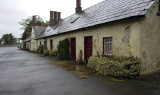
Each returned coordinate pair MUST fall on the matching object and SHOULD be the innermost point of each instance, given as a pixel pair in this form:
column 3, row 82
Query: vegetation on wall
column 63, row 49
column 80, row 55
column 115, row 66
column 53, row 52
column 46, row 52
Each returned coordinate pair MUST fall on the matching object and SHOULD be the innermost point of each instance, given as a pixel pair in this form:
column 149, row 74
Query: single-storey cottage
column 110, row 28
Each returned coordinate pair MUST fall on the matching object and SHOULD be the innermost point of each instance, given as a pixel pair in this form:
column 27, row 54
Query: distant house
column 110, row 28
column 26, row 43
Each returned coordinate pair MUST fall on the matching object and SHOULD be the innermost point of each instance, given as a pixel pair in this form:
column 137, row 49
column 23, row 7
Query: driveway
column 25, row 73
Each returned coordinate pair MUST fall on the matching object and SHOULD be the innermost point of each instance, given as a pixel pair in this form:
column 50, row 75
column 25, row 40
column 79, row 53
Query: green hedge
column 53, row 52
column 115, row 66
column 63, row 49
column 40, row 49
column 46, row 52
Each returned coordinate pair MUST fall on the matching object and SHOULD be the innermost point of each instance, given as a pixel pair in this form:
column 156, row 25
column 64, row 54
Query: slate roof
column 106, row 11
column 27, row 39
column 39, row 30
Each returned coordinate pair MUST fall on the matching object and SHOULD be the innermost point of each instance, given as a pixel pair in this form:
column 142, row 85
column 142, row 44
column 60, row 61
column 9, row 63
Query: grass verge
column 81, row 70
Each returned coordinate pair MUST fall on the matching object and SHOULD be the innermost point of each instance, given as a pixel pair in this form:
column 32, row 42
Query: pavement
column 26, row 73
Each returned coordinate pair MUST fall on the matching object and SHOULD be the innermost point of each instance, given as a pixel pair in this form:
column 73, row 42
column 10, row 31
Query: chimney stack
column 34, row 20
column 78, row 6
column 59, row 15
column 55, row 17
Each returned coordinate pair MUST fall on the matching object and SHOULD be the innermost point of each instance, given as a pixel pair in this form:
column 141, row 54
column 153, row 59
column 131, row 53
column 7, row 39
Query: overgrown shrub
column 53, row 52
column 63, row 49
column 116, row 66
column 40, row 49
column 46, row 52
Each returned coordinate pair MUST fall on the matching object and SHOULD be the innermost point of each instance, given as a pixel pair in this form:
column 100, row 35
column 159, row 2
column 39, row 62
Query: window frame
column 104, row 54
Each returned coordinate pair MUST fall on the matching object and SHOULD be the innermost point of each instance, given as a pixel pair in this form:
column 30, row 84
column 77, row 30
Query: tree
column 27, row 25
column 0, row 41
column 8, row 39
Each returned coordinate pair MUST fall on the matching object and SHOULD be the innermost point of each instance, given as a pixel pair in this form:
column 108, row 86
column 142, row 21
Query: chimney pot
column 34, row 20
column 78, row 6
column 59, row 15
column 54, row 17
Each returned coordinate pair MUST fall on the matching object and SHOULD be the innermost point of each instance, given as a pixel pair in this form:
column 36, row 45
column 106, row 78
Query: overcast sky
column 13, row 11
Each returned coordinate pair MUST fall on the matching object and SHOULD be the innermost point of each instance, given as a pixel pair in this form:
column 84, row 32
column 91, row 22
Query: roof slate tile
column 106, row 11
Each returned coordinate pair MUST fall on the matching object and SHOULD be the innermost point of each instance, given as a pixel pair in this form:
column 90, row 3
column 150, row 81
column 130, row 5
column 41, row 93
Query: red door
column 87, row 47
column 73, row 48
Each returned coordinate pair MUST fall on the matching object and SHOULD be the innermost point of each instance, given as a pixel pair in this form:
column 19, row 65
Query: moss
column 80, row 70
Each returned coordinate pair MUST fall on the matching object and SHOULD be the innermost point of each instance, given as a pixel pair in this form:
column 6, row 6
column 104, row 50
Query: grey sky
column 13, row 11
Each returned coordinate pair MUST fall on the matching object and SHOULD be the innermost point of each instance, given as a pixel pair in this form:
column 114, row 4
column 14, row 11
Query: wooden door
column 51, row 44
column 87, row 47
column 45, row 45
column 73, row 48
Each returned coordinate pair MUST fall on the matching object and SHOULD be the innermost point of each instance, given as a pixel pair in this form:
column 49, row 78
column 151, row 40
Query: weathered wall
column 33, row 41
column 150, row 41
column 38, row 42
column 126, row 39
column 28, row 45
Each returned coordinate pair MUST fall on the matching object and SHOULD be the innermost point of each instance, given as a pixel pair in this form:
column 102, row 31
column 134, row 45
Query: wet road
column 25, row 73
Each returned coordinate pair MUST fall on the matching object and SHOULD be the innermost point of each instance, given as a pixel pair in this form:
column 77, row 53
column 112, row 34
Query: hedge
column 46, row 52
column 115, row 66
column 63, row 49
column 53, row 53
column 40, row 49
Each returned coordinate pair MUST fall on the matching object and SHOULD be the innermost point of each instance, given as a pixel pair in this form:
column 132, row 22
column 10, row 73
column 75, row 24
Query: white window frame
column 107, row 43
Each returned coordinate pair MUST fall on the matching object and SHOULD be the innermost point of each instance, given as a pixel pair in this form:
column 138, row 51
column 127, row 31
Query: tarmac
column 26, row 73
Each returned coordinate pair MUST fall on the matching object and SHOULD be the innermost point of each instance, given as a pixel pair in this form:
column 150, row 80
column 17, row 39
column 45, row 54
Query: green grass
column 81, row 70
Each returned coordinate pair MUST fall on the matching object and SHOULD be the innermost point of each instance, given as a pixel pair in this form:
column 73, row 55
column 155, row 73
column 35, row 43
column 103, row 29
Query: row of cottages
column 110, row 28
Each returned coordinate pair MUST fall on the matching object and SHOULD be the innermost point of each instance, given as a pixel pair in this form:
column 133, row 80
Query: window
column 51, row 44
column 107, row 46
column 40, row 42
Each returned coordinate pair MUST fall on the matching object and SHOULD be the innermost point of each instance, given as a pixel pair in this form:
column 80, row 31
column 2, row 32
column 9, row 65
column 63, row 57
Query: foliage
column 80, row 70
column 80, row 61
column 27, row 32
column 53, row 52
column 8, row 39
column 40, row 49
column 80, row 55
column 0, row 41
column 63, row 49
column 27, row 25
column 46, row 52
column 24, row 46
column 116, row 66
